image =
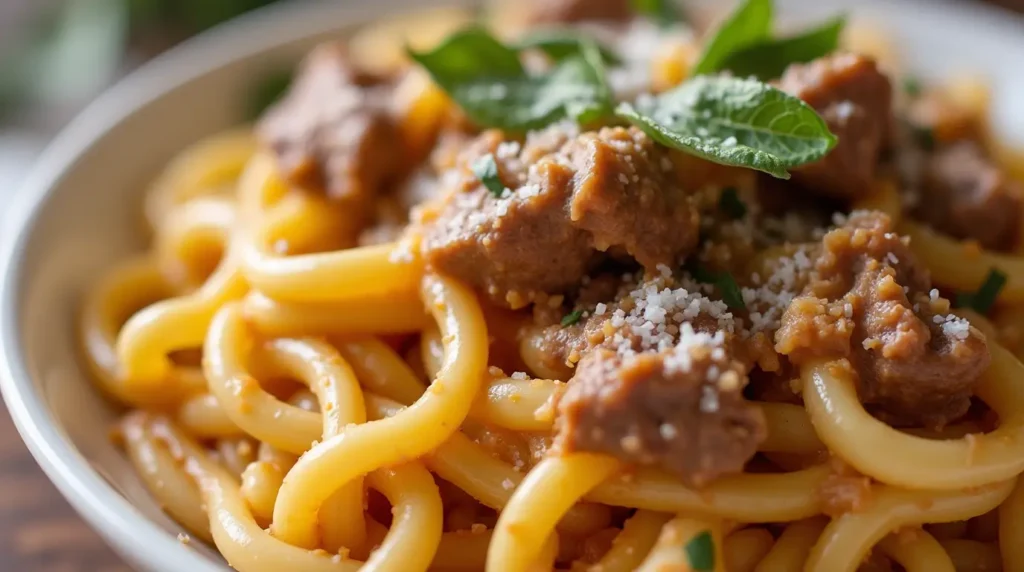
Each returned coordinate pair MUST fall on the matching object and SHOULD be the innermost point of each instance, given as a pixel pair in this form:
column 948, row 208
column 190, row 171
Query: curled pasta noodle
column 1011, row 529
column 921, row 553
column 364, row 271
column 178, row 323
column 540, row 501
column 193, row 238
column 123, row 291
column 669, row 551
column 793, row 546
column 203, row 168
column 961, row 267
column 743, row 549
column 513, row 404
column 399, row 313
column 848, row 538
column 789, row 429
column 743, row 498
column 411, row 433
column 631, row 546
column 285, row 426
column 869, row 445
column 967, row 554
column 203, row 417
column 163, row 476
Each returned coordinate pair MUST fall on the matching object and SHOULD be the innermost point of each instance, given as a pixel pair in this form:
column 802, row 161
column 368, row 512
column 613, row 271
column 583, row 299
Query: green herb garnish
column 700, row 552
column 723, row 281
column 726, row 120
column 664, row 12
column 486, row 169
column 923, row 136
column 562, row 43
column 912, row 86
column 981, row 301
column 572, row 317
column 731, row 121
column 768, row 59
column 729, row 203
column 487, row 80
column 268, row 91
column 749, row 24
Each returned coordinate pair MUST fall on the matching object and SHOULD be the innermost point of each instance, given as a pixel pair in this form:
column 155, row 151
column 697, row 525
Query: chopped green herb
column 769, row 58
column 572, row 317
column 749, row 24
column 723, row 281
column 923, row 136
column 562, row 43
column 730, row 204
column 267, row 91
column 732, row 121
column 486, row 169
column 664, row 12
column 700, row 552
column 912, row 86
column 487, row 80
column 981, row 301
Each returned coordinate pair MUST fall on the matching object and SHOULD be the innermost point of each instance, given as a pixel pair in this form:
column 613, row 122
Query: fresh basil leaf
column 700, row 552
column 561, row 43
column 664, row 12
column 488, row 82
column 486, row 169
column 768, row 59
column 750, row 24
column 732, row 121
column 981, row 301
column 467, row 54
column 571, row 318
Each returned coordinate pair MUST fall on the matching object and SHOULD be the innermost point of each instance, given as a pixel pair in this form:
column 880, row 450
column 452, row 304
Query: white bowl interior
column 79, row 214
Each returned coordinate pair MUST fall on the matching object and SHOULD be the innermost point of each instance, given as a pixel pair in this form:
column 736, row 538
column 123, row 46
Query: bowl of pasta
column 565, row 284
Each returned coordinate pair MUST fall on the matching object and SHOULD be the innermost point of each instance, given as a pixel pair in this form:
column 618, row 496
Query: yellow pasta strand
column 870, row 445
column 540, row 501
column 847, row 539
column 409, row 434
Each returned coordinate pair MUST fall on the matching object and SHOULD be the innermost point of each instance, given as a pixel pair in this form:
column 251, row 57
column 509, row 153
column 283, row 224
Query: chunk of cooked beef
column 567, row 201
column 964, row 194
column 870, row 301
column 682, row 410
column 855, row 99
column 333, row 131
column 564, row 11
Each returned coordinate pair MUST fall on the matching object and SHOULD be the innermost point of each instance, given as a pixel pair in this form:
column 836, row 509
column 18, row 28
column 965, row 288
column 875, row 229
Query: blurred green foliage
column 74, row 50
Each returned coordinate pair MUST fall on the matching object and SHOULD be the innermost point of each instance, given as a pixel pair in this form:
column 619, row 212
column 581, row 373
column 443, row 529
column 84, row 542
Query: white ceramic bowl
column 77, row 214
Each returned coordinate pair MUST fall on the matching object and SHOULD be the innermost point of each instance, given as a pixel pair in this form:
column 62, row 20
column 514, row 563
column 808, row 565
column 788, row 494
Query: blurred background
column 55, row 56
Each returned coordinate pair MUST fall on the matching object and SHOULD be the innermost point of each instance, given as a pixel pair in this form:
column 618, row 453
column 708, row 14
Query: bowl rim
column 95, row 499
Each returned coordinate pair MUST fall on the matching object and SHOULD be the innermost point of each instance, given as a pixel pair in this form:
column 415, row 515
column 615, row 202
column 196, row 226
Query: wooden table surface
column 39, row 531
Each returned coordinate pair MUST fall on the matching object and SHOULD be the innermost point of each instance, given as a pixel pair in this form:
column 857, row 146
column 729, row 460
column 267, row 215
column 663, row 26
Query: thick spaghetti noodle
column 318, row 384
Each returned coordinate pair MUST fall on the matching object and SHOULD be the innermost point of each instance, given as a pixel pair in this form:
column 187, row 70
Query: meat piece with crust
column 567, row 201
column 855, row 99
column 966, row 195
column 333, row 132
column 870, row 301
column 682, row 410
